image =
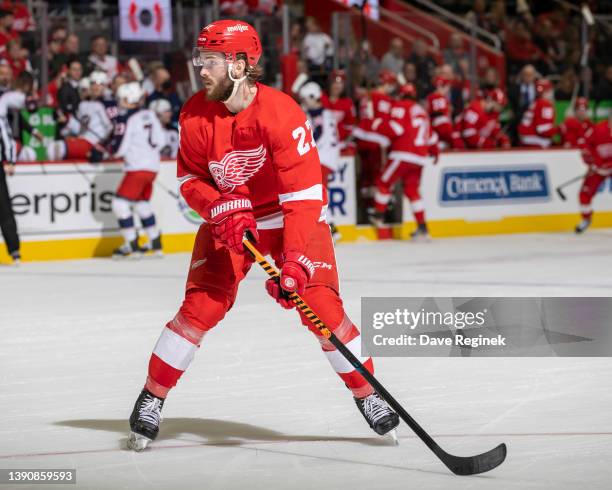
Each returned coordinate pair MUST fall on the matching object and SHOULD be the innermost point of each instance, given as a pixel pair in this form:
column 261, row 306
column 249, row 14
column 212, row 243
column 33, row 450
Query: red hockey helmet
column 231, row 37
column 498, row 96
column 441, row 81
column 408, row 90
column 582, row 103
column 543, row 85
column 337, row 76
column 387, row 76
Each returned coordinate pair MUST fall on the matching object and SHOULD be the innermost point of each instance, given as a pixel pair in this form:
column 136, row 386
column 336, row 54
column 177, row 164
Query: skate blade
column 392, row 437
column 137, row 442
column 421, row 239
column 132, row 256
column 157, row 254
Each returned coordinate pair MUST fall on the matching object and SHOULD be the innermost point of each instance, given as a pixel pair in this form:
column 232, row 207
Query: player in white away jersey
column 163, row 109
column 325, row 131
column 139, row 138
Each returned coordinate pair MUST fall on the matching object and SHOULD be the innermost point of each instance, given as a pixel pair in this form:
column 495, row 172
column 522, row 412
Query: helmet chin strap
column 237, row 81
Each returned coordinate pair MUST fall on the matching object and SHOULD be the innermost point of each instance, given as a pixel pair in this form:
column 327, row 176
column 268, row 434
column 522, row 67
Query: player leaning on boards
column 246, row 162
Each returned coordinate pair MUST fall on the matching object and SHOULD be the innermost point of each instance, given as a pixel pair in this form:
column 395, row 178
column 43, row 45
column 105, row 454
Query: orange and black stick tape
column 296, row 298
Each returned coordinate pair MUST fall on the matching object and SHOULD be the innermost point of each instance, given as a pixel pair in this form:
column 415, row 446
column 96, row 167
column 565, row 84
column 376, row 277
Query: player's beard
column 221, row 90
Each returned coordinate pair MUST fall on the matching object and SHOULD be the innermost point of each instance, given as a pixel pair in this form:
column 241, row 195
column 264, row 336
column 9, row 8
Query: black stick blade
column 473, row 465
column 561, row 194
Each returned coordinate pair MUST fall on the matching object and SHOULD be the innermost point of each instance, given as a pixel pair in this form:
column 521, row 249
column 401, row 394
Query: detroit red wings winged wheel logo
column 236, row 167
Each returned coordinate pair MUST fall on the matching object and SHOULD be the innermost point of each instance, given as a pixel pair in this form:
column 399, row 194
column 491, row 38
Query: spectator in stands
column 100, row 59
column 6, row 29
column 23, row 17
column 17, row 57
column 490, row 79
column 68, row 97
column 410, row 75
column 553, row 47
column 6, row 77
column 425, row 66
column 393, row 59
column 566, row 86
column 57, row 60
column 521, row 49
column 162, row 89
column 455, row 52
column 72, row 45
column 365, row 66
column 497, row 18
column 317, row 50
column 147, row 84
column 603, row 90
column 296, row 36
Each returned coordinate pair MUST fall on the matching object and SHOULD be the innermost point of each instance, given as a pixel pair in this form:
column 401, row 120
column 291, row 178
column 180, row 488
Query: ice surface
column 260, row 407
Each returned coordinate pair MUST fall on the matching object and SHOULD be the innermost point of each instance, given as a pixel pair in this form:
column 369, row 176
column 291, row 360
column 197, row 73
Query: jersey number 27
column 299, row 134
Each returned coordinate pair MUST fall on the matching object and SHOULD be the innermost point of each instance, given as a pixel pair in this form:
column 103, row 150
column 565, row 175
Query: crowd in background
column 538, row 44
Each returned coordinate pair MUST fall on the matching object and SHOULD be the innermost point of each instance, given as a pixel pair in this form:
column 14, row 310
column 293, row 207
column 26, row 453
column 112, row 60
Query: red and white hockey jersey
column 537, row 127
column 376, row 107
column 439, row 111
column 266, row 153
column 598, row 147
column 481, row 129
column 410, row 133
column 343, row 110
column 573, row 130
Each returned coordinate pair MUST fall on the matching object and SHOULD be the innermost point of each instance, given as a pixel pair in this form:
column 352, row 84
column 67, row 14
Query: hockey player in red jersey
column 479, row 122
column 597, row 155
column 537, row 127
column 412, row 141
column 371, row 146
column 439, row 109
column 342, row 107
column 247, row 162
column 574, row 128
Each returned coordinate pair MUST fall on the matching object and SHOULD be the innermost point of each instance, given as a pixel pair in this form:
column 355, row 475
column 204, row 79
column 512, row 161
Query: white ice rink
column 260, row 408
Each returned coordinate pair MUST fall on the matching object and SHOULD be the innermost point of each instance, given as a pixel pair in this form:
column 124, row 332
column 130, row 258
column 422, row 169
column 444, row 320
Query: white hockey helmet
column 99, row 77
column 310, row 90
column 130, row 92
column 84, row 83
column 159, row 106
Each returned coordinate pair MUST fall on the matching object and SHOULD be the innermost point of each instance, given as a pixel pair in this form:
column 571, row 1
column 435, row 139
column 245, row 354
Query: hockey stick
column 459, row 465
column 169, row 191
column 565, row 184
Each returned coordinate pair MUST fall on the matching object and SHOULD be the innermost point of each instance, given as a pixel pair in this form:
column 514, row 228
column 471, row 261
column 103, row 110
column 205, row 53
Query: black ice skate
column 377, row 413
column 583, row 225
column 128, row 250
column 16, row 257
column 376, row 218
column 421, row 234
column 145, row 420
column 154, row 247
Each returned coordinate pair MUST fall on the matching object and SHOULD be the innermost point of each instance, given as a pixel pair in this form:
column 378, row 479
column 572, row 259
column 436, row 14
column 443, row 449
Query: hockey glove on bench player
column 296, row 272
column 230, row 216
